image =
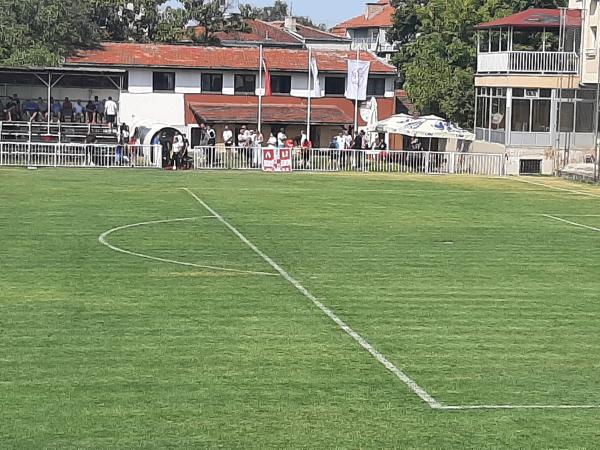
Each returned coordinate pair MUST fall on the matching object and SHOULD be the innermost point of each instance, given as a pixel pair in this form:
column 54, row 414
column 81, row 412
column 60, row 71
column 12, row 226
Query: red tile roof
column 383, row 19
column 297, row 105
column 535, row 18
column 240, row 58
column 243, row 114
column 311, row 33
column 259, row 31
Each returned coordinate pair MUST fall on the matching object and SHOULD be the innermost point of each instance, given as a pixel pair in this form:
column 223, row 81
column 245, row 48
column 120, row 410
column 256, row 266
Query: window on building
column 566, row 112
column 540, row 116
column 376, row 87
column 584, row 117
column 212, row 82
column 245, row 84
column 281, row 84
column 335, row 85
column 520, row 115
column 163, row 81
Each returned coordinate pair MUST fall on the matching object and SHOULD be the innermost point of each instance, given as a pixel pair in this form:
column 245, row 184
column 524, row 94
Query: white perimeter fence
column 331, row 160
column 79, row 155
column 220, row 158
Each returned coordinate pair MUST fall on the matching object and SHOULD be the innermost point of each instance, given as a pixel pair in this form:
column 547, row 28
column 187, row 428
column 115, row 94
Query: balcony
column 528, row 62
column 373, row 45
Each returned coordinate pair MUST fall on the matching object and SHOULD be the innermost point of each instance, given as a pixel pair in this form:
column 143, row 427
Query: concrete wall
column 152, row 109
column 188, row 82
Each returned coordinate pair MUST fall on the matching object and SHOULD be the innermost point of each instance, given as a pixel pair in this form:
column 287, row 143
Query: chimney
column 373, row 9
column 290, row 24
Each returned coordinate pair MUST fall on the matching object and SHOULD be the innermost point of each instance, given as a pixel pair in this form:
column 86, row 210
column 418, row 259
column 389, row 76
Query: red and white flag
column 268, row 90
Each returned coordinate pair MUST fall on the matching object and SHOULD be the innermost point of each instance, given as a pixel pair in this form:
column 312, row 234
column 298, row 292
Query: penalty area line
column 575, row 224
column 412, row 385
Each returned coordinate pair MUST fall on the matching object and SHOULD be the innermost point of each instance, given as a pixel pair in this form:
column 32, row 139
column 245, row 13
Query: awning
column 284, row 114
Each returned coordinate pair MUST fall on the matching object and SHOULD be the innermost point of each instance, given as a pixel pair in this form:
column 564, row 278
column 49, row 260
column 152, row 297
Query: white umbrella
column 436, row 128
column 393, row 124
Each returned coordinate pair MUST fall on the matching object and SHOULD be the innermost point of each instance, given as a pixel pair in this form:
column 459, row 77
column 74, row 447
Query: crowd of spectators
column 76, row 111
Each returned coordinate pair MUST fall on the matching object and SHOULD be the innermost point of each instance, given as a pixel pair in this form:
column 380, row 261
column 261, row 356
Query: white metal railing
column 528, row 62
column 54, row 131
column 332, row 160
column 79, row 155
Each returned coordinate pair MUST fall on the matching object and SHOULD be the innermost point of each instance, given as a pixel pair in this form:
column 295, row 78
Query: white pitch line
column 418, row 390
column 103, row 240
column 572, row 191
column 496, row 407
column 580, row 225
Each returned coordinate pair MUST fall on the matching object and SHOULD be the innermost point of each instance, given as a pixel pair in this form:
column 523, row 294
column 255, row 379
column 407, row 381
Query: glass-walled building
column 531, row 100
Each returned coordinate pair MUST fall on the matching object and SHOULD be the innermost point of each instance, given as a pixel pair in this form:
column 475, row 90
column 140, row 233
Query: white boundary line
column 423, row 395
column 572, row 191
column 412, row 385
column 580, row 225
column 103, row 240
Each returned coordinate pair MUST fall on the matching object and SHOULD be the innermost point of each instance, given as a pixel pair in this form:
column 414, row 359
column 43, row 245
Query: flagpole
column 308, row 114
column 356, row 97
column 260, row 89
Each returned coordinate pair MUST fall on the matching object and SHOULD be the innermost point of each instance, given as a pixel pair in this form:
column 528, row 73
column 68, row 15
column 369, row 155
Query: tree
column 279, row 11
column 437, row 60
column 210, row 19
column 122, row 20
column 42, row 32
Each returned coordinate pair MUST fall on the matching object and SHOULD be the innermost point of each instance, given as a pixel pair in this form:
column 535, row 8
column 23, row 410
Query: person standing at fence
column 211, row 135
column 56, row 110
column 257, row 149
column 227, row 137
column 305, row 146
column 90, row 156
column 281, row 138
column 111, row 109
column 67, row 110
column 177, row 151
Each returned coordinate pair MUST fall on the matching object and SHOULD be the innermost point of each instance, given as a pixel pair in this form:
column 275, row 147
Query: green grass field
column 460, row 282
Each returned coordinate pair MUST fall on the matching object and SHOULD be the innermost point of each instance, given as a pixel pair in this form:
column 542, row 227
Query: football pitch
column 143, row 309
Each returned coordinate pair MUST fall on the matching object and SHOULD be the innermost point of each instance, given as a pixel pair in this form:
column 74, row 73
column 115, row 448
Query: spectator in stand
column 212, row 142
column 90, row 112
column 166, row 145
column 43, row 109
column 360, row 145
column 281, row 138
column 228, row 137
column 31, row 110
column 306, row 145
column 110, row 108
column 12, row 109
column 78, row 112
column 99, row 109
column 272, row 142
column 56, row 110
column 90, row 156
column 67, row 110
column 379, row 144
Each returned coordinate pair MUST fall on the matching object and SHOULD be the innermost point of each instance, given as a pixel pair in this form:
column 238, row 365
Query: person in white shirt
column 257, row 149
column 272, row 142
column 110, row 112
column 281, row 138
column 177, row 150
column 347, row 140
column 227, row 137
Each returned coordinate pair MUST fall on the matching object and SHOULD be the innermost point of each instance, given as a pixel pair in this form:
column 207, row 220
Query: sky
column 330, row 12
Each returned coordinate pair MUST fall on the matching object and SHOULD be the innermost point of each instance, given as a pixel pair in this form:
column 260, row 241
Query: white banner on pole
column 357, row 79
column 314, row 69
